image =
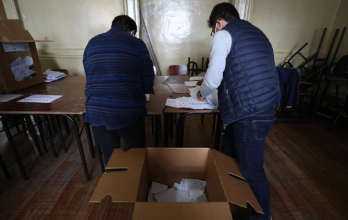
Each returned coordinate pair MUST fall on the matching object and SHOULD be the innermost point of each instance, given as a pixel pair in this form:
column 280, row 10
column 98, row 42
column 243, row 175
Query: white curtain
column 245, row 8
column 131, row 8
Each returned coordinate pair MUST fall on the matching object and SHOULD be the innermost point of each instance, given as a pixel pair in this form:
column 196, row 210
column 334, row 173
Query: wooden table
column 72, row 103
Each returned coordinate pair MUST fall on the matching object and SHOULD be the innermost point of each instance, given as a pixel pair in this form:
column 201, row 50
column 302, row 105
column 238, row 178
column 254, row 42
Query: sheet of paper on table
column 212, row 98
column 190, row 83
column 189, row 102
column 41, row 98
column 196, row 78
column 9, row 97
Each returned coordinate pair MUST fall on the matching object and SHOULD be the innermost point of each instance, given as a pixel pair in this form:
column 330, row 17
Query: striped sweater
column 119, row 73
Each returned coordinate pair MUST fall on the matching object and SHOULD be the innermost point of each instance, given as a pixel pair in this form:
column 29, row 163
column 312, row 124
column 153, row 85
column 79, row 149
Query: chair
column 178, row 70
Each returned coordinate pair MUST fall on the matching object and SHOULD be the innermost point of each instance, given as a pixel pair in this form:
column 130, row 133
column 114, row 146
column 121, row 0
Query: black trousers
column 108, row 140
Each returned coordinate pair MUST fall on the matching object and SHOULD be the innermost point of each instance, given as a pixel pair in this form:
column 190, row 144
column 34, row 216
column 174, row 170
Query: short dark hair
column 126, row 22
column 225, row 11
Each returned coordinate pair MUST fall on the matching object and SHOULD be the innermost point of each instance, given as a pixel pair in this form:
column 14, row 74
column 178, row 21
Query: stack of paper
column 187, row 191
column 51, row 76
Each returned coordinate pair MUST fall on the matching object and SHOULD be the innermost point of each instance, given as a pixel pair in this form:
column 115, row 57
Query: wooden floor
column 307, row 168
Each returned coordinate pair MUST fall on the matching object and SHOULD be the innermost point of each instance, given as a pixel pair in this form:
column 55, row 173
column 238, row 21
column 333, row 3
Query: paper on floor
column 158, row 187
column 169, row 195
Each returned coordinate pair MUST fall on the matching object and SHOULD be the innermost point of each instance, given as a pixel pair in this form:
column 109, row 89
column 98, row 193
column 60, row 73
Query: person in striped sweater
column 119, row 73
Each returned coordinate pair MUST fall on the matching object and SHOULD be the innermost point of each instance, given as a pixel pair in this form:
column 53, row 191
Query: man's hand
column 200, row 98
column 199, row 83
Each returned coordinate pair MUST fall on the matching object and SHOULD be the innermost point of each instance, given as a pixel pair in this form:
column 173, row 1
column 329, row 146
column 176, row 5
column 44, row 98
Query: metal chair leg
column 56, row 121
column 4, row 168
column 49, row 132
column 13, row 147
column 42, row 135
column 99, row 152
column 89, row 139
column 32, row 131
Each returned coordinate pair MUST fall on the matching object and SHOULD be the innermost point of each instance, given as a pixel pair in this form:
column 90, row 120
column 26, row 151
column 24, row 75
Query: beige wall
column 70, row 24
column 178, row 30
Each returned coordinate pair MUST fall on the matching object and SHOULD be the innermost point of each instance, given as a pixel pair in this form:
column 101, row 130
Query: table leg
column 16, row 122
column 171, row 124
column 89, row 139
column 66, row 126
column 153, row 124
column 13, row 147
column 101, row 161
column 214, row 121
column 49, row 132
column 218, row 132
column 4, row 168
column 56, row 121
column 42, row 135
column 180, row 126
column 24, row 127
column 32, row 131
column 156, row 129
column 166, row 117
column 79, row 145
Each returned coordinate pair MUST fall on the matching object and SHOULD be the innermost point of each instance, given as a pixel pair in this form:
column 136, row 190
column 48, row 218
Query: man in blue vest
column 242, row 68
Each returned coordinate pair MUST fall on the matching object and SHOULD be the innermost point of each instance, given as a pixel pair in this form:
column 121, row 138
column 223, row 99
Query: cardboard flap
column 182, row 211
column 237, row 190
column 122, row 186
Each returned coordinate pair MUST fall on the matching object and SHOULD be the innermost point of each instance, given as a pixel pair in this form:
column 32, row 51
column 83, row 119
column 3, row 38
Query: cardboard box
column 137, row 168
column 19, row 60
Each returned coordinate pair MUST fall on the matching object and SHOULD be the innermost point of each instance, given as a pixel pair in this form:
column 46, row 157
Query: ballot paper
column 202, row 198
column 40, row 98
column 51, row 76
column 150, row 197
column 192, row 184
column 23, row 68
column 194, row 91
column 169, row 195
column 14, row 47
column 190, row 83
column 196, row 78
column 8, row 97
column 158, row 187
column 190, row 102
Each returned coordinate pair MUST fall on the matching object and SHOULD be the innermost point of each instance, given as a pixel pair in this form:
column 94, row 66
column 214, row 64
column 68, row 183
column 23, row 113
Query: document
column 8, row 97
column 190, row 83
column 41, row 98
column 197, row 78
column 189, row 102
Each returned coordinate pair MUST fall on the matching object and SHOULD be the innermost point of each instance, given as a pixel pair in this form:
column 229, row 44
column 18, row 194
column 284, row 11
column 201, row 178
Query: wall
column 70, row 24
column 178, row 30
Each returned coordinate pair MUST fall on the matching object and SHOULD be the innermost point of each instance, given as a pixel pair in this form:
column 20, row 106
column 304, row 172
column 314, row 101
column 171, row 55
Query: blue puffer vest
column 250, row 82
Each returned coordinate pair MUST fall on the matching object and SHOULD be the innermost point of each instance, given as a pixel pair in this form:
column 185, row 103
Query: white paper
column 28, row 61
column 169, row 195
column 171, row 103
column 190, row 83
column 147, row 97
column 194, row 91
column 9, row 97
column 177, row 186
column 158, row 187
column 202, row 198
column 194, row 193
column 17, row 62
column 40, row 98
column 13, row 47
column 184, row 194
column 150, row 197
column 197, row 78
column 192, row 184
column 21, row 72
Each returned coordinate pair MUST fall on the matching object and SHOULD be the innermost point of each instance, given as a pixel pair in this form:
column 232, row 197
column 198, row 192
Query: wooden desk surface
column 156, row 104
column 72, row 102
column 336, row 78
column 160, row 79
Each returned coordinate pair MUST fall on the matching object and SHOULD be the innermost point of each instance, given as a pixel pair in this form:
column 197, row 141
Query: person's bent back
column 119, row 73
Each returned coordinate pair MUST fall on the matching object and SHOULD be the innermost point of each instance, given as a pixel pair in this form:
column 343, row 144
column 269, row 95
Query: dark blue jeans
column 245, row 141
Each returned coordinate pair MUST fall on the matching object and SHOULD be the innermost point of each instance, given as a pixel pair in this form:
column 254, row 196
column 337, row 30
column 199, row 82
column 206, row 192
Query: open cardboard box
column 135, row 169
column 13, row 75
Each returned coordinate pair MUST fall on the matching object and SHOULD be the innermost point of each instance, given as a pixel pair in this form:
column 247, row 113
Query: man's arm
column 148, row 73
column 219, row 49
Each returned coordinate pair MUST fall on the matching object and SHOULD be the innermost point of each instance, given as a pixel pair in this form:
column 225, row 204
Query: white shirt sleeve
column 219, row 49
